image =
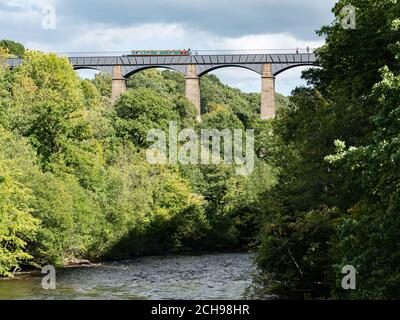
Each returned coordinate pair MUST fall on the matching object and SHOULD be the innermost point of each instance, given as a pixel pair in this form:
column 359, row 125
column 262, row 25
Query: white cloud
column 266, row 41
column 161, row 36
column 100, row 38
column 27, row 5
column 97, row 37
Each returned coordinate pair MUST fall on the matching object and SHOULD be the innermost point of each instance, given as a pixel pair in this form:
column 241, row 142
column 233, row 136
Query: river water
column 214, row 276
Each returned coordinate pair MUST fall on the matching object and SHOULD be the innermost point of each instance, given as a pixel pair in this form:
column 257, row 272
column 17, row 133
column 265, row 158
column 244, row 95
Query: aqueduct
column 268, row 66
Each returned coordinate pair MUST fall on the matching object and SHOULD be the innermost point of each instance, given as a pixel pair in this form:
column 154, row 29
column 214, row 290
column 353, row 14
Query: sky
column 124, row 25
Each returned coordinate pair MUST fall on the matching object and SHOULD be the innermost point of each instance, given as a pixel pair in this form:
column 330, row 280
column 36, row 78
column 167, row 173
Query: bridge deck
column 204, row 63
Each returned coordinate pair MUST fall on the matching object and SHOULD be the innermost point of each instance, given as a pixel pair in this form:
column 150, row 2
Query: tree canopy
column 334, row 150
column 14, row 48
column 74, row 175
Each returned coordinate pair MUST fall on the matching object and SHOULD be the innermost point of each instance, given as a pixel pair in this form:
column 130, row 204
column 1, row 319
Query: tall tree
column 302, row 250
column 14, row 48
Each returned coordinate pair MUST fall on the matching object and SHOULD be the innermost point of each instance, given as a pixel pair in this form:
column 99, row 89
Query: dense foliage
column 75, row 182
column 14, row 48
column 334, row 206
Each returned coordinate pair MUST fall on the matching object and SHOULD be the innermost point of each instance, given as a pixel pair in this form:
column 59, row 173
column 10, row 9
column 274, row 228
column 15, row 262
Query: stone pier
column 118, row 83
column 268, row 106
column 193, row 88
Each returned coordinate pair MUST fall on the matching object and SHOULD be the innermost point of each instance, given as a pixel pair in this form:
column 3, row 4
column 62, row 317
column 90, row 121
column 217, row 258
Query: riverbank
column 84, row 263
column 211, row 276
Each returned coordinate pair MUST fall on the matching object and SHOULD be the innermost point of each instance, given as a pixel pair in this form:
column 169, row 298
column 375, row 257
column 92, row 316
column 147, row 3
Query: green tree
column 369, row 232
column 5, row 84
column 14, row 48
column 307, row 234
column 103, row 83
column 143, row 109
column 74, row 180
column 17, row 224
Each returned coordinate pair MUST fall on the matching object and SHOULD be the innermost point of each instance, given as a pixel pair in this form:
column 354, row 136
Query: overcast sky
column 123, row 25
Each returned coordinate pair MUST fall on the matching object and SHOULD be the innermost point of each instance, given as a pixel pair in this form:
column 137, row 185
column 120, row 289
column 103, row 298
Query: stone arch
column 102, row 69
column 292, row 66
column 128, row 72
column 88, row 73
column 255, row 68
column 86, row 68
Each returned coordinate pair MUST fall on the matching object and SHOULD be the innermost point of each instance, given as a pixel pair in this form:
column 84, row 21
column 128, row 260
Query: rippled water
column 218, row 276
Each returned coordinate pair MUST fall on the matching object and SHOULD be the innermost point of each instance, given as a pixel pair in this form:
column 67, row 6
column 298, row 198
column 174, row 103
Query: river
column 198, row 277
